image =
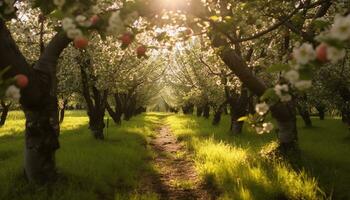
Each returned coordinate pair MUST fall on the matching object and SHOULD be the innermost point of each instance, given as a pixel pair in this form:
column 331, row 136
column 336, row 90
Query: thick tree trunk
column 97, row 124
column 4, row 113
column 62, row 110
column 39, row 103
column 281, row 111
column 42, row 125
column 206, row 111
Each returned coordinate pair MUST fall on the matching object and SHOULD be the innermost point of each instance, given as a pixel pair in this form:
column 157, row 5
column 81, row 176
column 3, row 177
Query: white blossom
column 335, row 54
column 304, row 54
column 280, row 89
column 13, row 92
column 96, row 10
column 282, row 92
column 303, row 84
column 218, row 82
column 341, row 28
column 259, row 130
column 81, row 20
column 59, row 3
column 292, row 76
column 267, row 127
column 261, row 108
column 286, row 97
column 67, row 24
column 73, row 33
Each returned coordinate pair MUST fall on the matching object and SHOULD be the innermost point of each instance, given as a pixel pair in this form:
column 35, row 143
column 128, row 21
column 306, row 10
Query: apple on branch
column 81, row 42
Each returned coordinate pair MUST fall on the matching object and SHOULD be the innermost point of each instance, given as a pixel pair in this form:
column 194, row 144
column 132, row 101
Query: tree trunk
column 96, row 100
column 62, row 111
column 305, row 115
column 96, row 124
column 38, row 101
column 206, row 111
column 218, row 113
column 280, row 111
column 115, row 115
column 4, row 113
column 239, row 108
column 199, row 111
column 321, row 112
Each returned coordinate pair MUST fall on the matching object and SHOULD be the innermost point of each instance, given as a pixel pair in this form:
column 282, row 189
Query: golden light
column 172, row 4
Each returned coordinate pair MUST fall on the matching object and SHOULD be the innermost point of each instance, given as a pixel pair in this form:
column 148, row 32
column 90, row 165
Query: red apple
column 126, row 39
column 21, row 80
column 81, row 42
column 94, row 19
column 141, row 51
column 321, row 52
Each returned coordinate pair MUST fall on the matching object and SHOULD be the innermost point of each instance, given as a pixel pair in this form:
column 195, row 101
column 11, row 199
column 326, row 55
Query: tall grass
column 234, row 166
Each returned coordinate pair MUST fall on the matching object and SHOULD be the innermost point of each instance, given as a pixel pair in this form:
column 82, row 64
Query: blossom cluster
column 328, row 51
column 331, row 49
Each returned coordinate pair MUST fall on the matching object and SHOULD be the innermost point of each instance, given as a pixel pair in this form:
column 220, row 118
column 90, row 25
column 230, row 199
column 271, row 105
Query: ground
column 168, row 156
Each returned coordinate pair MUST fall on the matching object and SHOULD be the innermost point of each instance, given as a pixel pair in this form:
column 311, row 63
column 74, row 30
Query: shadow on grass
column 88, row 169
column 233, row 163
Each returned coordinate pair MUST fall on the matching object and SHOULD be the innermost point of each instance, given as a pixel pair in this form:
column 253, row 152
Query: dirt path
column 177, row 178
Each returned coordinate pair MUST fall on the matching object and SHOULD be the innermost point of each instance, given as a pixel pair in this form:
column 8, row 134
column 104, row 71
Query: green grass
column 89, row 169
column 113, row 169
column 234, row 165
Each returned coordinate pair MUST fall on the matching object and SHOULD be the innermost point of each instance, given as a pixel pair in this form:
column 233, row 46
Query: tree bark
column 39, row 103
column 304, row 110
column 96, row 101
column 62, row 111
column 282, row 112
column 218, row 113
column 115, row 115
column 238, row 109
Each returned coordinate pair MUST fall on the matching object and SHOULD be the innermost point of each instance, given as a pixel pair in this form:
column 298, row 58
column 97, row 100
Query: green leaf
column 57, row 14
column 241, row 119
column 278, row 67
column 269, row 95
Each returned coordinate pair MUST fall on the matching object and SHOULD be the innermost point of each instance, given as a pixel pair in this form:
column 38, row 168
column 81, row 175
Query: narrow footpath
column 177, row 177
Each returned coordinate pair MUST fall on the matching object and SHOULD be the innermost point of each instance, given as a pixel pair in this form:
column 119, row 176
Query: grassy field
column 234, row 165
column 89, row 169
column 112, row 169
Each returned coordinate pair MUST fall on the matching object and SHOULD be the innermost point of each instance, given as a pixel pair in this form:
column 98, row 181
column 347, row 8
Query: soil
column 176, row 177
